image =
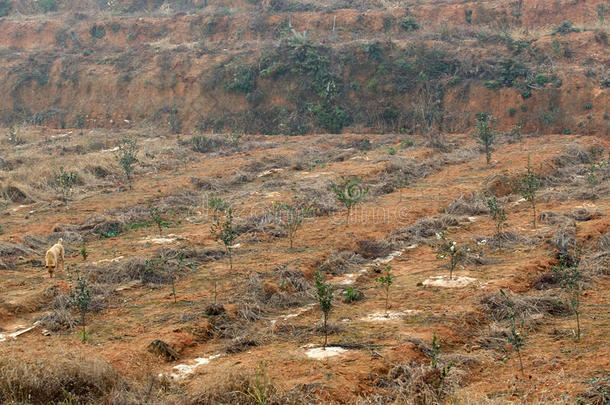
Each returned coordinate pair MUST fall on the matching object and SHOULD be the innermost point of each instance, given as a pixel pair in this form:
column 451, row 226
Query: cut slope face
column 265, row 67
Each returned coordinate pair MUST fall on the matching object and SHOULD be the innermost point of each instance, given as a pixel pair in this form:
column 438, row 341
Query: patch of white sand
column 445, row 281
column 182, row 370
column 14, row 335
column 171, row 238
column 348, row 279
column 269, row 172
column 319, row 353
column 299, row 312
column 116, row 259
column 390, row 316
column 388, row 258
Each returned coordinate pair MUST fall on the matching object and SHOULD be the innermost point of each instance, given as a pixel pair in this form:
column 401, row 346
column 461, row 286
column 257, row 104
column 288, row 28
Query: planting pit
column 183, row 370
column 390, row 316
column 318, row 353
column 446, row 282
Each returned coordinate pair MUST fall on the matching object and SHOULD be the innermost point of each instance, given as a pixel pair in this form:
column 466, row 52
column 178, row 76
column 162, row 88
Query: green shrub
column 542, row 79
column 5, row 8
column 468, row 16
column 485, row 134
column 111, row 231
column 565, row 28
column 79, row 121
column 528, row 185
column 80, row 298
column 97, row 31
column 351, row 295
column 222, row 226
column 512, row 111
column 290, row 216
column 325, row 298
column 349, row 193
column 243, row 80
column 409, row 24
column 206, row 144
column 331, row 118
column 126, row 156
column 63, row 182
column 373, row 51
column 385, row 282
column 47, row 6
column 498, row 213
column 174, row 121
column 156, row 217
column 601, row 12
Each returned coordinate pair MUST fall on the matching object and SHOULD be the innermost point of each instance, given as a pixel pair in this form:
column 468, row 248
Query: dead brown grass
column 495, row 306
column 58, row 378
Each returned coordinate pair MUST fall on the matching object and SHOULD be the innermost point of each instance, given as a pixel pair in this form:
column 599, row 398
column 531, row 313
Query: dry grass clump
column 259, row 296
column 573, row 155
column 546, row 280
column 555, row 218
column 585, row 213
column 222, row 184
column 191, row 255
column 265, row 223
column 438, row 141
column 416, row 383
column 508, row 239
column 60, row 378
column 573, row 167
column 598, row 392
column 158, row 270
column 372, row 249
column 243, row 388
column 266, row 163
column 424, row 229
column 475, row 204
column 253, row 299
column 603, row 243
column 323, row 202
column 495, row 306
column 12, row 250
column 207, row 184
column 494, row 336
column 342, row 262
column 60, row 317
column 596, row 264
column 291, row 279
column 179, row 202
column 241, row 344
column 564, row 239
column 206, row 144
column 400, row 171
column 40, row 243
column 16, row 193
